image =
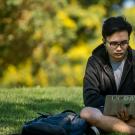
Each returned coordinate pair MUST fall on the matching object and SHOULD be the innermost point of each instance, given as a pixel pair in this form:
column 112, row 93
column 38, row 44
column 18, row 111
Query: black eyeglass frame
column 115, row 44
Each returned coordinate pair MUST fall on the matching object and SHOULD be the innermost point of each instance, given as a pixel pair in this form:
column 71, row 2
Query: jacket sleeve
column 91, row 86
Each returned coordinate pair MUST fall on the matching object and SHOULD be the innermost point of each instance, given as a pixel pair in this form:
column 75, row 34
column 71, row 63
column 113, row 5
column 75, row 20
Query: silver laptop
column 115, row 103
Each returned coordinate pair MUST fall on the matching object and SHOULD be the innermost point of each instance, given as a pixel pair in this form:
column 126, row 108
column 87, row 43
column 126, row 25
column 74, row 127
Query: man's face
column 117, row 45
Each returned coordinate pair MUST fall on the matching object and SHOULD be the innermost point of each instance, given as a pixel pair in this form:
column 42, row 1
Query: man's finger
column 126, row 115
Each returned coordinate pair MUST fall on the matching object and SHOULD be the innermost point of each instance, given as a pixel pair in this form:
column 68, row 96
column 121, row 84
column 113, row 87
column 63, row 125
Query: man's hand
column 123, row 115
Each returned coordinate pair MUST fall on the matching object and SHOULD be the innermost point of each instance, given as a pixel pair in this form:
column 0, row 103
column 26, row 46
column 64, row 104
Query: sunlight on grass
column 22, row 104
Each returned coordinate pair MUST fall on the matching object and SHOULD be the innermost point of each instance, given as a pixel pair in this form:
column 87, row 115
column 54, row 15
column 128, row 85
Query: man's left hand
column 123, row 115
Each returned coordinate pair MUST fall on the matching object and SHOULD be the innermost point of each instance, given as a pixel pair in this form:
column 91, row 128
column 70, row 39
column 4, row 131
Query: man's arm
column 91, row 86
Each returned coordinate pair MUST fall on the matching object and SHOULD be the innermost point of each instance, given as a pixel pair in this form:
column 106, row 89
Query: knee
column 91, row 115
column 85, row 113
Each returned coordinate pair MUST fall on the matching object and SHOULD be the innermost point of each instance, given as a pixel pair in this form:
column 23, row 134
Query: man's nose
column 119, row 47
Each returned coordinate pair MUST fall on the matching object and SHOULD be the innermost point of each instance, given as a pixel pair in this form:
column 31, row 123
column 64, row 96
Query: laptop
column 115, row 103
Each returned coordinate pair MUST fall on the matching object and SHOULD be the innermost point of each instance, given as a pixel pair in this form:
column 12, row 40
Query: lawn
column 18, row 105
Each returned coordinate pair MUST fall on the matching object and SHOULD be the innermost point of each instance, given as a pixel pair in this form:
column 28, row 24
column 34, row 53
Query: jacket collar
column 101, row 53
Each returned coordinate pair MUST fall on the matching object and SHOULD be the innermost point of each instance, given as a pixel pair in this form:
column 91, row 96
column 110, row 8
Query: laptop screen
column 115, row 103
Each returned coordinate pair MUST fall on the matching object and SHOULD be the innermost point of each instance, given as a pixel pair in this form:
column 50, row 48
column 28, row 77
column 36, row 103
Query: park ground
column 18, row 105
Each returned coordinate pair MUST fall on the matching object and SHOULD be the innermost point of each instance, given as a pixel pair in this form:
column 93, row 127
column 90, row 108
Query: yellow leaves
column 132, row 41
column 7, row 20
column 128, row 11
column 56, row 49
column 42, row 78
column 26, row 15
column 14, row 2
column 37, row 35
column 24, row 19
column 54, row 55
column 22, row 76
column 61, row 33
column 92, row 17
column 65, row 69
column 66, row 20
column 78, row 71
column 90, row 21
column 18, row 75
column 79, row 52
column 37, row 53
column 25, row 73
column 98, row 10
column 10, row 74
column 74, row 2
column 82, row 51
column 72, row 74
column 68, row 75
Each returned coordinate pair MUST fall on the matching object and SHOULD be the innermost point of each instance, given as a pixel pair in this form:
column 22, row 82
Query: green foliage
column 45, row 42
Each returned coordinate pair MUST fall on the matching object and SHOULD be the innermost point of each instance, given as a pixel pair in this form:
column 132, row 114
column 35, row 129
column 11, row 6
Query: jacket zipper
column 123, row 79
column 109, row 72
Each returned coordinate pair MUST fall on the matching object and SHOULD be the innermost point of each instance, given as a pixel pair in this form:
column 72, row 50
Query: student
column 110, row 71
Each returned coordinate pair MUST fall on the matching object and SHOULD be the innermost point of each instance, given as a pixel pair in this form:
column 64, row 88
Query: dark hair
column 115, row 24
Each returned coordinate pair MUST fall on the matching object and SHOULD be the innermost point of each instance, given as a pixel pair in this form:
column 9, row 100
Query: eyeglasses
column 115, row 44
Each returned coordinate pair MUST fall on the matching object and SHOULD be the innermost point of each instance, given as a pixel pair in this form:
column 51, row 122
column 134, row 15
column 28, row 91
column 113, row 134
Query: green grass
column 22, row 104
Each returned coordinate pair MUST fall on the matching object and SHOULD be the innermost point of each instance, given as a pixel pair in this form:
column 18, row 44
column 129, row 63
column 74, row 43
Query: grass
column 22, row 104
column 18, row 105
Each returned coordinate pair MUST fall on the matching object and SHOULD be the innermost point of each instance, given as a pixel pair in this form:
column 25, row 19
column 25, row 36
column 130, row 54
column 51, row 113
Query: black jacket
column 99, row 79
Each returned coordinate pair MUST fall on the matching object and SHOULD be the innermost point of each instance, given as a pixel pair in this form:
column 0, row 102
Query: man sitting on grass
column 110, row 71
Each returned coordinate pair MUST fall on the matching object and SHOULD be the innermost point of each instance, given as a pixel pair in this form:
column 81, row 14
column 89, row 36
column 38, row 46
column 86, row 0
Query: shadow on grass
column 13, row 115
column 52, row 106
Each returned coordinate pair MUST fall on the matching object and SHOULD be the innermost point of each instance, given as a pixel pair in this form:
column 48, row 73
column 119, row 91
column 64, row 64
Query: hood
column 101, row 54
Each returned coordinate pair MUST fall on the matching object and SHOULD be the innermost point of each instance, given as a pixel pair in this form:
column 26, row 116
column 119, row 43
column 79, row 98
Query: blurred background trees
column 47, row 42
